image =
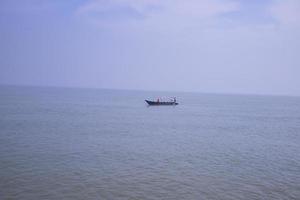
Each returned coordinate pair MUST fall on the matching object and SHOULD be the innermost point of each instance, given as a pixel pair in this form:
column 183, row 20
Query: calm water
column 104, row 144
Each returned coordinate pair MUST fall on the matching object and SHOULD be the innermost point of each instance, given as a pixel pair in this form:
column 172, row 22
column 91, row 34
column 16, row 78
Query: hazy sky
column 236, row 46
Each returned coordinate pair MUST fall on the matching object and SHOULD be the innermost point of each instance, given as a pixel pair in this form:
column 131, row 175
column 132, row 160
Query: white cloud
column 108, row 5
column 201, row 8
column 287, row 12
column 185, row 9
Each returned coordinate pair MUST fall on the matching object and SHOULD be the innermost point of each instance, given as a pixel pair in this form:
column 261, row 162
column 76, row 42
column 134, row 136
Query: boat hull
column 163, row 103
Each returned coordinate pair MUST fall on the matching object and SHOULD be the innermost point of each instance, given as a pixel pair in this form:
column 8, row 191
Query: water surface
column 59, row 143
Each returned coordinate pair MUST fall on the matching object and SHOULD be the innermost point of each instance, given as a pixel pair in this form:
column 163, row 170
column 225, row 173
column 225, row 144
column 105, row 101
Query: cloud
column 286, row 12
column 166, row 10
column 104, row 5
column 116, row 9
column 202, row 8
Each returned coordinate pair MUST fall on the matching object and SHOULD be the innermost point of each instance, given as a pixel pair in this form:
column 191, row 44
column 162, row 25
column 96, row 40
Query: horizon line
column 145, row 90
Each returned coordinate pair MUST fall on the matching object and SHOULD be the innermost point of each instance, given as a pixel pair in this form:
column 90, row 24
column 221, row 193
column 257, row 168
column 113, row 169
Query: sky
column 215, row 46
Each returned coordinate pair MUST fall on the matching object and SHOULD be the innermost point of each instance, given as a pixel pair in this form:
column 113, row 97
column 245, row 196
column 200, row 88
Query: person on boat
column 157, row 100
column 174, row 99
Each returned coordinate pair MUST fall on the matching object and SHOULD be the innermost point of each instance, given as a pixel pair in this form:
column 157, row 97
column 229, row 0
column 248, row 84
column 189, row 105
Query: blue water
column 59, row 143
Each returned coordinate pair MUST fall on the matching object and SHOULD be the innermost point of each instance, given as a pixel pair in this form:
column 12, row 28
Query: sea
column 86, row 144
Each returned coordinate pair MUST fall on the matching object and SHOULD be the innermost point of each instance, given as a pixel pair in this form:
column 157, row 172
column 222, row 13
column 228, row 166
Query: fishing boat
column 162, row 103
